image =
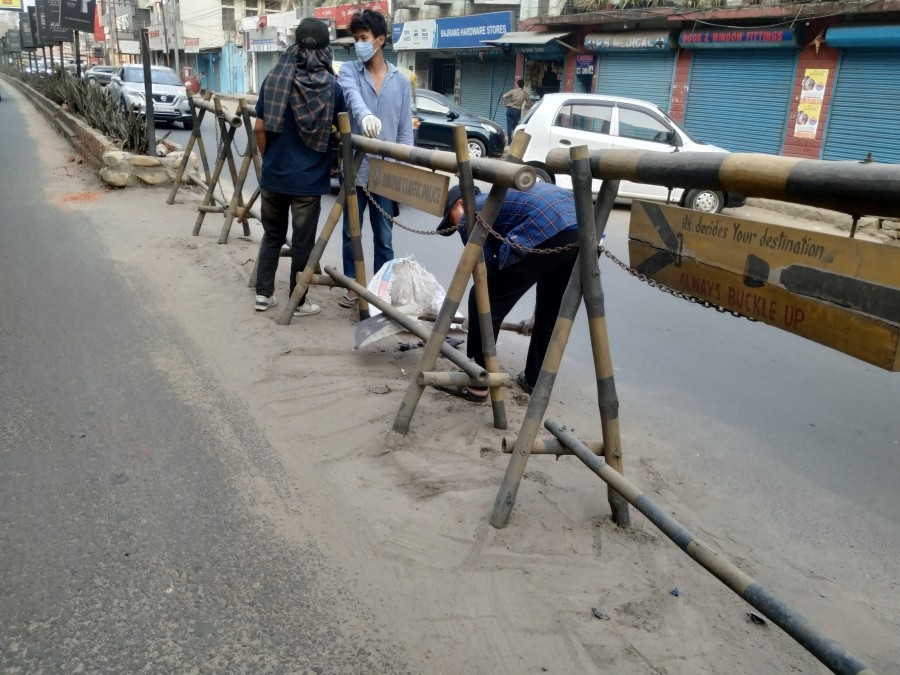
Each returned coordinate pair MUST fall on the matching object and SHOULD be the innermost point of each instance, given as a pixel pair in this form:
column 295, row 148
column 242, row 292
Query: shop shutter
column 503, row 78
column 863, row 115
column 475, row 88
column 739, row 99
column 644, row 76
column 350, row 55
column 389, row 54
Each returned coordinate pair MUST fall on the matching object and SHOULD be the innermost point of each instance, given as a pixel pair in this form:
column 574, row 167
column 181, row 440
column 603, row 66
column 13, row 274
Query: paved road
column 125, row 542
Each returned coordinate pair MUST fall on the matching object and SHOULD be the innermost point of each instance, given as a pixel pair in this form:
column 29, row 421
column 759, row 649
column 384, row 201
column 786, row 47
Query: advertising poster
column 812, row 86
column 807, row 122
column 32, row 26
column 77, row 15
column 25, row 31
column 584, row 64
column 11, row 5
column 49, row 31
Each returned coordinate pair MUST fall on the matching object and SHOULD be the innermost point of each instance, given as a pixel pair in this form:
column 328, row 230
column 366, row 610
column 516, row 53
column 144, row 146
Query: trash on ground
column 757, row 618
column 600, row 614
column 675, row 592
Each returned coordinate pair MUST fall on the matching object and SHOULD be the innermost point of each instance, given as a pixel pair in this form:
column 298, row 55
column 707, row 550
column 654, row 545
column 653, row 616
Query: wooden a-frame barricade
column 234, row 206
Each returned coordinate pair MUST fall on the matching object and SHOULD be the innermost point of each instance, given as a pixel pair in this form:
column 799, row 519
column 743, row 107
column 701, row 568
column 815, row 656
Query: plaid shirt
column 528, row 218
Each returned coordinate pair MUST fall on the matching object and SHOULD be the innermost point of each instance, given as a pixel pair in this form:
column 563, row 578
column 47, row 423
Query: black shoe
column 522, row 382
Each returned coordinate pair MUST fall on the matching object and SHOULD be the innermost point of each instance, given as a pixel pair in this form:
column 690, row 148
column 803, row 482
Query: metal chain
column 671, row 291
column 220, row 149
column 568, row 247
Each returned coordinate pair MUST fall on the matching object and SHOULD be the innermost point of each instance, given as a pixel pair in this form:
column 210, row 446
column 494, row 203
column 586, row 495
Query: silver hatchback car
column 170, row 98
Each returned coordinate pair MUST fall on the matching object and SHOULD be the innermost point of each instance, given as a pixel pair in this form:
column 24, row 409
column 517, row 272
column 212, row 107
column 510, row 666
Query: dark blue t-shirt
column 289, row 165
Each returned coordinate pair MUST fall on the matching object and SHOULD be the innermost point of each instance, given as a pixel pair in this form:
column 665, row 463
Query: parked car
column 437, row 116
column 605, row 122
column 170, row 99
column 100, row 75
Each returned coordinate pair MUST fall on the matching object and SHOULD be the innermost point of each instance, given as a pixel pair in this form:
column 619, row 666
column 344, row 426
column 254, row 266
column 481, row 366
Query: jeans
column 550, row 272
column 513, row 115
column 274, row 210
column 382, row 231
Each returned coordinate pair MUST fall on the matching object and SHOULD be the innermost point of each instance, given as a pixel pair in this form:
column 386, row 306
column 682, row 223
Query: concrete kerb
column 117, row 167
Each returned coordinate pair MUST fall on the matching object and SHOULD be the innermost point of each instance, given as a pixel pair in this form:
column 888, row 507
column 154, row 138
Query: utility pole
column 114, row 31
column 175, row 14
column 162, row 13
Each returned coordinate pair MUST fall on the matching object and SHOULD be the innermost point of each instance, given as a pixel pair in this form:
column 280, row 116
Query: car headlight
column 490, row 128
column 134, row 93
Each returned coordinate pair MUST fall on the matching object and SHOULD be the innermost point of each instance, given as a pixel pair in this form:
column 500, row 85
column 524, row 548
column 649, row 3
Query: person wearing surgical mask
column 378, row 98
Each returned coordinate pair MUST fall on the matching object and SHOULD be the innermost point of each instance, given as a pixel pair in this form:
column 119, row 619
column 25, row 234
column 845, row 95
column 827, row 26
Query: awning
column 526, row 38
column 873, row 37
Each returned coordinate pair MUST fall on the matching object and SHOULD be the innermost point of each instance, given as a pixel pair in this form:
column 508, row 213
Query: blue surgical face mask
column 365, row 51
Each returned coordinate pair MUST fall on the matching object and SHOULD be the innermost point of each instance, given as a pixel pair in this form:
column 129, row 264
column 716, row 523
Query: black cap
column 312, row 34
column 454, row 194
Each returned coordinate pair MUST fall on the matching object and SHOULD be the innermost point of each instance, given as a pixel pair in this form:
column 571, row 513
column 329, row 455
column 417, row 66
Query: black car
column 437, row 115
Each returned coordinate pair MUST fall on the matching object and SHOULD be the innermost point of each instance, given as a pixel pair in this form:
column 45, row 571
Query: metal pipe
column 833, row 655
column 551, row 446
column 851, row 187
column 503, row 173
column 472, row 369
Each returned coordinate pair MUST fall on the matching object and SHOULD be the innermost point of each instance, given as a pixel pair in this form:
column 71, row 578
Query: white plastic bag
column 406, row 284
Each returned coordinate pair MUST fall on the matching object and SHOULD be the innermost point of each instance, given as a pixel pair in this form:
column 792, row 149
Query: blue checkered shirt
column 529, row 218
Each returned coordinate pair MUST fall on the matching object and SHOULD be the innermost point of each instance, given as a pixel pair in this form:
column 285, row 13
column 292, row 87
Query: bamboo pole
column 594, row 304
column 833, row 655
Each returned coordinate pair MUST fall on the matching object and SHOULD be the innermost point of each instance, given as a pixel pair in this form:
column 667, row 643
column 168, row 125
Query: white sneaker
column 307, row 309
column 263, row 303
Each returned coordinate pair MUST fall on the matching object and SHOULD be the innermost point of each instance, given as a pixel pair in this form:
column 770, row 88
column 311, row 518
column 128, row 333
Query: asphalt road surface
column 124, row 541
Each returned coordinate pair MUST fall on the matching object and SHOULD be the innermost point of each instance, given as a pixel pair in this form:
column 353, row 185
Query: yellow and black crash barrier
column 849, row 289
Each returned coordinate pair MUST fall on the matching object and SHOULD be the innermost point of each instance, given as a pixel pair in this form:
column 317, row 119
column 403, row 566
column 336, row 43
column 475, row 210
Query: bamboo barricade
column 504, row 174
column 830, row 653
column 584, row 281
column 472, row 254
column 232, row 207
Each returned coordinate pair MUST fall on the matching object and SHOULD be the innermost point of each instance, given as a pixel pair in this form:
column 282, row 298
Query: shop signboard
column 460, row 32
column 191, row 45
column 32, row 27
column 157, row 39
column 640, row 41
column 755, row 38
column 341, row 14
column 77, row 14
column 584, row 64
column 840, row 292
column 11, row 5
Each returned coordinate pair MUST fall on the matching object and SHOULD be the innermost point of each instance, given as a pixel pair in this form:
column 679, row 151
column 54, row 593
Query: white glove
column 371, row 126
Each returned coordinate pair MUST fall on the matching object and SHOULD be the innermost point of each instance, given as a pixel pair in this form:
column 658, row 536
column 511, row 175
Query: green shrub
column 91, row 104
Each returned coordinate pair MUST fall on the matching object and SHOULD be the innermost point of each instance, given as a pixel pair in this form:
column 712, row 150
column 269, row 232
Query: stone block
column 152, row 178
column 144, row 160
column 116, row 177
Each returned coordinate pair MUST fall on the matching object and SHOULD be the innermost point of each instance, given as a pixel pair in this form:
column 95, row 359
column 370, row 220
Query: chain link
column 568, row 247
column 671, row 291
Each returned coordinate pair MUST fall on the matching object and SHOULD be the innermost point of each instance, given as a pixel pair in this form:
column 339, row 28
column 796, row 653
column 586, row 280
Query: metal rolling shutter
column 475, row 88
column 864, row 108
column 503, row 78
column 389, row 54
column 739, row 99
column 643, row 76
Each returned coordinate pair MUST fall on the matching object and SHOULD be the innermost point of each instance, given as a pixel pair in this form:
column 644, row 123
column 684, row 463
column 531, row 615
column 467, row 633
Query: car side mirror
column 675, row 139
column 452, row 115
column 115, row 78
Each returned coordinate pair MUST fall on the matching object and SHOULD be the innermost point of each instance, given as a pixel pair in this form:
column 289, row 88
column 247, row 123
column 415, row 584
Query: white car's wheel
column 705, row 201
column 542, row 176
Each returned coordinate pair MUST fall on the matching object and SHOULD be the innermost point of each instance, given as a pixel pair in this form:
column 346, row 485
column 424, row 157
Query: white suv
column 605, row 122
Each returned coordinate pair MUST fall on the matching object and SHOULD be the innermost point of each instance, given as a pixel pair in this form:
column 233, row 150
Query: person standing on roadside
column 517, row 102
column 298, row 103
column 380, row 104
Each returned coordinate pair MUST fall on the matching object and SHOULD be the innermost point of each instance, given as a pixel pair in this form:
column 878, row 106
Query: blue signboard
column 460, row 32
column 730, row 39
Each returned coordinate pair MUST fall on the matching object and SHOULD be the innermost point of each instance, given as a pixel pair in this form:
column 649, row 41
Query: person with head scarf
column 298, row 103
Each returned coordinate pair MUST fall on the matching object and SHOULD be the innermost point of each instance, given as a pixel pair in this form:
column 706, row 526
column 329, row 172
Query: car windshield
column 433, row 102
column 157, row 75
column 531, row 112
